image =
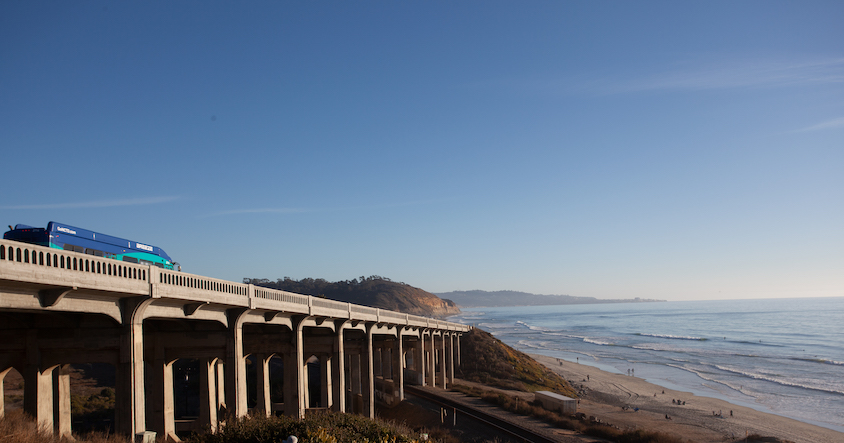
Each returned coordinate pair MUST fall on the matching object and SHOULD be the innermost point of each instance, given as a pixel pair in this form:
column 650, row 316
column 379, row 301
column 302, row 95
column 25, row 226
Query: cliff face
column 375, row 291
column 437, row 307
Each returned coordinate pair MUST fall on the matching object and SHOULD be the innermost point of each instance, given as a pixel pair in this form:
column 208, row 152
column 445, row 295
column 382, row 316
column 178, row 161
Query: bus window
column 130, row 259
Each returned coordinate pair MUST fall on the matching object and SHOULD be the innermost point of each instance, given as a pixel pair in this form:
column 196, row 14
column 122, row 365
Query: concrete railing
column 54, row 267
column 392, row 316
column 282, row 296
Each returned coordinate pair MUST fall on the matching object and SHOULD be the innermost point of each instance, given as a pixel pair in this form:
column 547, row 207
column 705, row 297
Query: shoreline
column 604, row 394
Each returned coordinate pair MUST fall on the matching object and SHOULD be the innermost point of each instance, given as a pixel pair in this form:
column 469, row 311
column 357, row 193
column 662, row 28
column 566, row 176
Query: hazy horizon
column 666, row 150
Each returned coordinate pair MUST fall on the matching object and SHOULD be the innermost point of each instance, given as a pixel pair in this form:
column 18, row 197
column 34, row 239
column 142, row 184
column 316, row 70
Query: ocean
column 783, row 356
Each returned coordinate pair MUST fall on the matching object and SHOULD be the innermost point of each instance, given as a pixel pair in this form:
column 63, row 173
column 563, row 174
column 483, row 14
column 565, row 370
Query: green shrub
column 323, row 427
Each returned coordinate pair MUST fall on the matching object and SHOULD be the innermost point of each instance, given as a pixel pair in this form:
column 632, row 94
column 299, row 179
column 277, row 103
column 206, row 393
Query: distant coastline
column 486, row 299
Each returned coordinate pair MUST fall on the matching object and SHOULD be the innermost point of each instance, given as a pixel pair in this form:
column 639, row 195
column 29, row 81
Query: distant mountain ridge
column 478, row 298
column 374, row 291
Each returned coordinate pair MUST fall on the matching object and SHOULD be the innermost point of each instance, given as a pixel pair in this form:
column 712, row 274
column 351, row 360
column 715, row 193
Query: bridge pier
column 325, row 381
column 432, row 362
column 161, row 398
column 235, row 365
column 130, row 405
column 450, row 355
column 3, row 373
column 208, row 393
column 38, row 396
column 264, row 405
column 397, row 363
column 339, row 367
column 61, row 401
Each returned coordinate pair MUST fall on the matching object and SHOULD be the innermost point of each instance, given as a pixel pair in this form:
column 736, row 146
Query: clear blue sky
column 675, row 150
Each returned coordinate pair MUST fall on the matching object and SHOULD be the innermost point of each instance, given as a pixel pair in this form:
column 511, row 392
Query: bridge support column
column 264, row 401
column 130, row 394
column 38, row 396
column 450, row 358
column 432, row 362
column 367, row 372
column 398, row 365
column 208, row 393
column 3, row 373
column 443, row 355
column 339, row 367
column 419, row 358
column 301, row 368
column 236, row 366
column 325, row 381
column 61, row 397
column 221, row 388
column 163, row 406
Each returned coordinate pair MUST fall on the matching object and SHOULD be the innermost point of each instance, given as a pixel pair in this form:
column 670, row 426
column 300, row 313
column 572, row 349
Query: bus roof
column 55, row 228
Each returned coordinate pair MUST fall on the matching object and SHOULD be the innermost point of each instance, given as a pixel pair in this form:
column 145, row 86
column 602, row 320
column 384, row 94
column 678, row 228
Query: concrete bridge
column 59, row 308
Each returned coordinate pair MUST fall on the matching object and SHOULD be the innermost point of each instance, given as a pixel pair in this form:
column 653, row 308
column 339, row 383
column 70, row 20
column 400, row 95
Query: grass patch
column 17, row 427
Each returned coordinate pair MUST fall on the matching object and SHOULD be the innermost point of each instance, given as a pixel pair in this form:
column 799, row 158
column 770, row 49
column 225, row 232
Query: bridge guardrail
column 33, row 264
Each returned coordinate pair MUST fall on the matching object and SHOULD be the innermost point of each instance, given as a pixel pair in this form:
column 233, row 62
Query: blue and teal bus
column 69, row 238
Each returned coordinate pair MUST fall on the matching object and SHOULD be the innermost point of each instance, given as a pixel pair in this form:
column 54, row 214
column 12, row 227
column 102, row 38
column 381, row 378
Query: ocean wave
column 757, row 343
column 597, row 342
column 488, row 326
column 700, row 374
column 534, row 344
column 671, row 337
column 657, row 347
column 819, row 360
column 536, row 328
column 778, row 381
column 710, row 378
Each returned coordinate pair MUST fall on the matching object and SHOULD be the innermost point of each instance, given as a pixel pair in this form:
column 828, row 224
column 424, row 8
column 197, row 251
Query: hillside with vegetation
column 374, row 291
column 486, row 359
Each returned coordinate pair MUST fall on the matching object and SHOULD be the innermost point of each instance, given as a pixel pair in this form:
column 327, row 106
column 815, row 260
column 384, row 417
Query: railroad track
column 520, row 433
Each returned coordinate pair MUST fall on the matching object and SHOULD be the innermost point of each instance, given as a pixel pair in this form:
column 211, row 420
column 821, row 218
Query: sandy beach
column 604, row 395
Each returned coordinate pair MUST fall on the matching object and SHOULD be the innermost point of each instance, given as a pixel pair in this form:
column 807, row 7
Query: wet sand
column 605, row 393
